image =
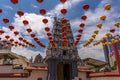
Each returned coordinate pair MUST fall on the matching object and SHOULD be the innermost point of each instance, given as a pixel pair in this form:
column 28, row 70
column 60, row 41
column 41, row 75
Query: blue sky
column 31, row 9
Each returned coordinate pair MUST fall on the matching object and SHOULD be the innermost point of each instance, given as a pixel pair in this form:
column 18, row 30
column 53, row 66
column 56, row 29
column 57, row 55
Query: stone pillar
column 74, row 70
column 52, row 68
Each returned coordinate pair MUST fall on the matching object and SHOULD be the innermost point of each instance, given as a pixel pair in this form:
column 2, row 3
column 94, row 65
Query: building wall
column 82, row 75
column 5, row 69
column 36, row 74
column 105, row 78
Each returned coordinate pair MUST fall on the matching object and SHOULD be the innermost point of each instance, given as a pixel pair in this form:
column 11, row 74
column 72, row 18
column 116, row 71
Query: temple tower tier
column 62, row 59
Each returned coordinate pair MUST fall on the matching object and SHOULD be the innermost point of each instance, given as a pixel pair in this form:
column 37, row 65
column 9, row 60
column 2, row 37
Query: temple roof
column 94, row 62
column 8, row 53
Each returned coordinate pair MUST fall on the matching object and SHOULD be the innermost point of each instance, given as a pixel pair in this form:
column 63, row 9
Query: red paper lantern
column 51, row 41
column 14, row 1
column 65, row 40
column 45, row 21
column 5, row 20
column 86, row 6
column 4, row 41
column 63, row 1
column 84, row 17
column 64, row 27
column 1, row 44
column 79, row 35
column 11, row 40
column 78, row 38
column 41, row 44
column 47, row 29
column 80, row 30
column 24, row 40
column 40, row 1
column 7, row 36
column 29, row 30
column 36, row 39
column 63, row 11
column 25, row 22
column 112, row 30
column 16, row 42
column 20, row 13
column 49, row 34
column 54, row 45
column 0, row 10
column 8, row 43
column 82, row 25
column 64, row 37
column 1, row 32
column 42, row 11
column 27, row 42
column 32, row 35
column 11, row 27
column 64, row 33
column 16, row 33
column 20, row 38
column 50, row 38
column 20, row 44
column 64, row 21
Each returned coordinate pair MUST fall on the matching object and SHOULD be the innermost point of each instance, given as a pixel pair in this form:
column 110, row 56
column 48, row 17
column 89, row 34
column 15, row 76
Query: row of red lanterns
column 12, row 41
column 50, row 38
column 82, row 25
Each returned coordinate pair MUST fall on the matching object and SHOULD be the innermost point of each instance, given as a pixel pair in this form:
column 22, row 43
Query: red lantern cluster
column 64, row 28
column 77, row 40
column 26, row 43
column 47, row 29
column 1, row 32
column 38, row 42
column 0, row 10
column 25, row 22
column 16, row 33
column 5, row 20
column 7, row 36
column 11, row 40
column 29, row 30
column 82, row 25
column 39, row 1
column 4, row 41
column 20, row 38
column 80, row 30
column 41, row 44
column 63, row 11
column 84, row 17
column 11, row 27
column 20, row 13
column 112, row 30
column 86, row 6
column 63, row 1
column 14, row 1
column 51, row 39
column 32, row 35
column 42, row 11
column 64, row 21
column 79, row 35
column 45, row 21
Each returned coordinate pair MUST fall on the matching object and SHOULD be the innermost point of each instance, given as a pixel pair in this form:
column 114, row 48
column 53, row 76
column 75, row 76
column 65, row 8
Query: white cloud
column 8, row 7
column 91, row 51
column 93, row 19
column 67, row 5
column 26, row 52
column 35, row 23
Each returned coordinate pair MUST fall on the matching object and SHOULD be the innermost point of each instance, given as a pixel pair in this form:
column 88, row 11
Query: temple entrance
column 63, row 71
